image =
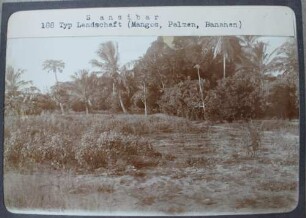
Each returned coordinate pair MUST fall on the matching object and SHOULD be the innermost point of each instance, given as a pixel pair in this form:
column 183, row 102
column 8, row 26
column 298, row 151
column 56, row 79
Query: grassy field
column 132, row 164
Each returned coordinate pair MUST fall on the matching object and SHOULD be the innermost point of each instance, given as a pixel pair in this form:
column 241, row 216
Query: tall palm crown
column 226, row 46
column 13, row 81
column 108, row 62
column 258, row 60
column 82, row 85
column 286, row 60
column 248, row 41
column 54, row 66
column 260, row 64
column 109, row 58
column 18, row 92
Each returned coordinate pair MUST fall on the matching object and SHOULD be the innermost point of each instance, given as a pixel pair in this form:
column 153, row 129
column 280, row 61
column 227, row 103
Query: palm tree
column 83, row 87
column 60, row 93
column 109, row 64
column 141, row 79
column 248, row 41
column 286, row 61
column 226, row 46
column 13, row 81
column 259, row 63
column 55, row 66
column 18, row 92
column 248, row 44
column 150, row 75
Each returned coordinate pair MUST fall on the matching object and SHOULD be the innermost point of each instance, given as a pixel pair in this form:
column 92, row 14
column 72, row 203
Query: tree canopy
column 198, row 77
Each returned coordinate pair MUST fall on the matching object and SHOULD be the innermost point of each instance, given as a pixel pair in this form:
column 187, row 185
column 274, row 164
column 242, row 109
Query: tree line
column 212, row 78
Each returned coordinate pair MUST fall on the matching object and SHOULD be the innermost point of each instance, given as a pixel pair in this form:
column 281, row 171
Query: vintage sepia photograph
column 151, row 125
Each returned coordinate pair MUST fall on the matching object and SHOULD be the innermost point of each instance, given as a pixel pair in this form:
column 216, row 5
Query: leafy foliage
column 102, row 141
column 109, row 149
column 19, row 94
column 216, row 78
column 182, row 100
column 54, row 66
column 235, row 98
column 109, row 65
column 282, row 100
column 83, row 88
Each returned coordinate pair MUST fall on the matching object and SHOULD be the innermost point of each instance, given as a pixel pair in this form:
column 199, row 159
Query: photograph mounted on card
column 152, row 110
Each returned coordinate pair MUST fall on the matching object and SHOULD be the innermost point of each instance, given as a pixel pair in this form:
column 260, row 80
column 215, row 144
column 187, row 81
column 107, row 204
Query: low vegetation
column 150, row 164
column 72, row 142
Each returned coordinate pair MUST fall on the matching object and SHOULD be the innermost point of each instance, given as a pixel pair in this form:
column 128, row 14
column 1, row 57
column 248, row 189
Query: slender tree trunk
column 62, row 108
column 163, row 84
column 114, row 89
column 145, row 98
column 261, row 84
column 121, row 103
column 146, row 110
column 87, row 111
column 224, row 65
column 60, row 103
column 201, row 90
column 56, row 80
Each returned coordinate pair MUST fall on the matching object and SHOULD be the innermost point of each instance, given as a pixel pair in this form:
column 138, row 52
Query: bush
column 27, row 148
column 110, row 148
column 182, row 100
column 46, row 140
column 283, row 101
column 57, row 151
column 90, row 154
column 75, row 142
column 235, row 98
column 12, row 149
column 251, row 138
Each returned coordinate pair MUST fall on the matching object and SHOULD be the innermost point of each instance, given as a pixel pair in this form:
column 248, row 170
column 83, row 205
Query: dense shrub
column 41, row 103
column 235, row 98
column 12, row 149
column 182, row 100
column 83, row 142
column 283, row 101
column 78, row 106
column 27, row 147
column 111, row 148
column 57, row 150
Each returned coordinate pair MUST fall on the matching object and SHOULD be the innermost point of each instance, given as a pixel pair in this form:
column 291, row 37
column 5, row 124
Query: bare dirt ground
column 204, row 172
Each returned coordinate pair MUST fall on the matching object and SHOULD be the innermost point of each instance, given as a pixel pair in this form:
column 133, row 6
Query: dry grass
column 175, row 210
column 276, row 186
column 47, row 194
column 106, row 189
column 265, row 202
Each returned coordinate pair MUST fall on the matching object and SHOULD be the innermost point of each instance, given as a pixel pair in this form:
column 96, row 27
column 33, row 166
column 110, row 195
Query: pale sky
column 77, row 52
